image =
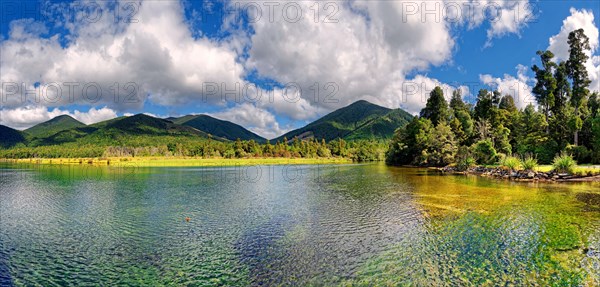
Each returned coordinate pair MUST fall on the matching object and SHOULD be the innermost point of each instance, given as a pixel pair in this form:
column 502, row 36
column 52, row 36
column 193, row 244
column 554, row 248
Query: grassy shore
column 175, row 161
column 583, row 169
column 579, row 169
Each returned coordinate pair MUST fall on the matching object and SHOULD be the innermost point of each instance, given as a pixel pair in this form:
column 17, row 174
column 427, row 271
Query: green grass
column 586, row 169
column 179, row 161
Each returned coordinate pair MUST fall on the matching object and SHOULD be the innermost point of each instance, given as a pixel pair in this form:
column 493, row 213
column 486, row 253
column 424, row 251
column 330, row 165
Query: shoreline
column 521, row 175
column 174, row 161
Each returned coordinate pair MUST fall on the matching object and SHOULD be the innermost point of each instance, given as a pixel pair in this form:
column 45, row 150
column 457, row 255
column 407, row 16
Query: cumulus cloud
column 510, row 18
column 370, row 47
column 255, row 119
column 155, row 57
column 415, row 92
column 579, row 19
column 517, row 87
column 28, row 116
column 345, row 52
column 361, row 57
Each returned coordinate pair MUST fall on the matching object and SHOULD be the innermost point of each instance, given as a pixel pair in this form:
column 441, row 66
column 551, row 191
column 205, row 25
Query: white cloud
column 366, row 52
column 370, row 49
column 415, row 92
column 517, row 87
column 158, row 54
column 361, row 57
column 257, row 120
column 28, row 116
column 579, row 19
column 511, row 17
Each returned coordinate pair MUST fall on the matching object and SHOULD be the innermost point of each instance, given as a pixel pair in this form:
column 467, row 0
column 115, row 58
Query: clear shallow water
column 298, row 225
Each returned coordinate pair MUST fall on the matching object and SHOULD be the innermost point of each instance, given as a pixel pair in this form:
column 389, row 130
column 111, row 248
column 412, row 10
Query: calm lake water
column 353, row 225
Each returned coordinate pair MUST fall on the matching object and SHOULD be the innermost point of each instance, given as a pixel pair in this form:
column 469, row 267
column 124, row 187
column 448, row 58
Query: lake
column 351, row 225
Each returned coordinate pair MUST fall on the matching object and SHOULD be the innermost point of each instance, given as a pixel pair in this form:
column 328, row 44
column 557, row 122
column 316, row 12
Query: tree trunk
column 547, row 123
column 575, row 135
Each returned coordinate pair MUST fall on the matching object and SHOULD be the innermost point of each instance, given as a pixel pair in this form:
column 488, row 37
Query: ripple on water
column 366, row 225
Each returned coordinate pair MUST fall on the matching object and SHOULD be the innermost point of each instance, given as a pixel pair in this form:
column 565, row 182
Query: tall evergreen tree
column 508, row 103
column 457, row 103
column 546, row 83
column 461, row 122
column 578, row 44
column 483, row 107
column 436, row 108
column 561, row 111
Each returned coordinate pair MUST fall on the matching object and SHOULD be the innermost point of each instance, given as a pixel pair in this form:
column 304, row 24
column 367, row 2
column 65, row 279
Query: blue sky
column 173, row 55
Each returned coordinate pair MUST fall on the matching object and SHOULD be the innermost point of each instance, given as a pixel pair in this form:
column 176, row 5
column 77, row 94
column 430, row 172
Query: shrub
column 545, row 153
column 511, row 162
column 484, row 152
column 529, row 162
column 465, row 163
column 580, row 153
column 464, row 159
column 564, row 163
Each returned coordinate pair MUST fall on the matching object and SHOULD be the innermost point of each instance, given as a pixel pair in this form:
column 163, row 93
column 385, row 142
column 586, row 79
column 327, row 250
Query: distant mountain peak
column 217, row 127
column 359, row 120
column 53, row 126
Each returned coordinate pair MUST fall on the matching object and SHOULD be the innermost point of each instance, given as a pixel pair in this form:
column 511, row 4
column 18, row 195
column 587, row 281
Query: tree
column 561, row 111
column 591, row 112
column 436, row 108
column 484, row 106
column 457, row 103
column 578, row 44
column 530, row 135
column 461, row 122
column 409, row 144
column 546, row 83
column 442, row 146
column 483, row 130
column 484, row 152
column 596, row 139
column 508, row 103
column 466, row 126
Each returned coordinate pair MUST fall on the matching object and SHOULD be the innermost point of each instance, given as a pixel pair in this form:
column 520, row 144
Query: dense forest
column 566, row 120
column 138, row 146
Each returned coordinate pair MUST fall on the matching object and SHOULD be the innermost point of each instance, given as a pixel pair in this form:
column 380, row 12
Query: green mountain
column 382, row 127
column 359, row 120
column 10, row 137
column 53, row 126
column 216, row 127
column 124, row 130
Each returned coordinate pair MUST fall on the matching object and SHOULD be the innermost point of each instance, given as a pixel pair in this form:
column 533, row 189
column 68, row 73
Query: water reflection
column 295, row 225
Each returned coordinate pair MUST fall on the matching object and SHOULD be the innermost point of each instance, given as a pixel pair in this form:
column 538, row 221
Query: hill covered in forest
column 216, row 127
column 360, row 120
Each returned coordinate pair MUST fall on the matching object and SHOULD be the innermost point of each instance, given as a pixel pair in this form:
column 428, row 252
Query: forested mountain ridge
column 217, row 127
column 360, row 120
column 53, row 126
column 10, row 137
